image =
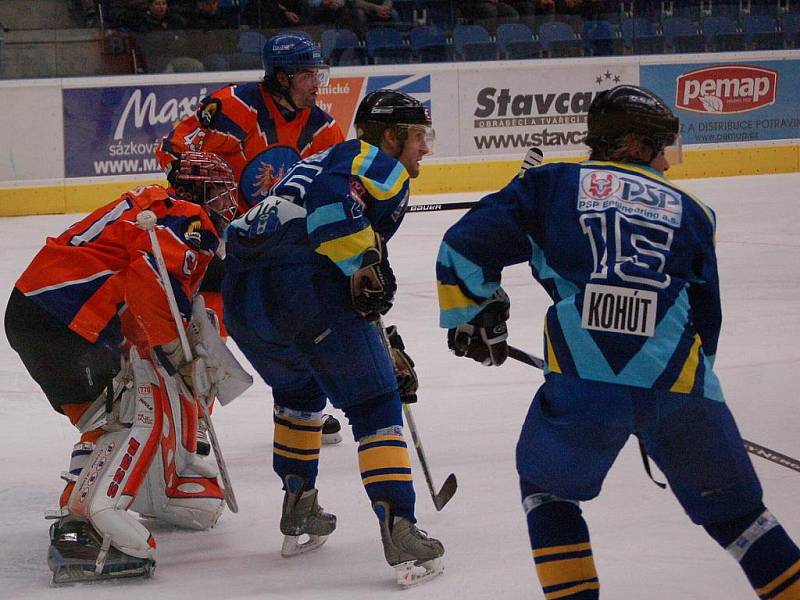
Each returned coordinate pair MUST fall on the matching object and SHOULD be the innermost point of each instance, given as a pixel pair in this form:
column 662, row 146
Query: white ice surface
column 469, row 416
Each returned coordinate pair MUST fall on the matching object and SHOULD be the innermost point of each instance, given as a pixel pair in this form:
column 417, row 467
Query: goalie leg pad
column 181, row 487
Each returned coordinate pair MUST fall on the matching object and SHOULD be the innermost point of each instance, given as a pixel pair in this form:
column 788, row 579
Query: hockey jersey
column 626, row 257
column 331, row 205
column 100, row 273
column 240, row 122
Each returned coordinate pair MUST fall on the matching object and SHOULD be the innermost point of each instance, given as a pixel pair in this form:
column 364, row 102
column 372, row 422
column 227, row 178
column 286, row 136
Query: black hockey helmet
column 629, row 109
column 385, row 108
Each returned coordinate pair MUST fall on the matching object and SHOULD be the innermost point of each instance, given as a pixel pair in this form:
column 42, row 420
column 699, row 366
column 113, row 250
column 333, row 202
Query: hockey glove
column 407, row 382
column 372, row 287
column 483, row 339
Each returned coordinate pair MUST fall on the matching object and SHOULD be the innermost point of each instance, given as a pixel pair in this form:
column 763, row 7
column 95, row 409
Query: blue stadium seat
column 516, row 41
column 762, row 7
column 722, row 34
column 682, row 35
column 340, row 47
column 558, row 39
column 637, row 27
column 245, row 61
column 725, row 8
column 429, row 44
column 761, row 33
column 387, row 46
column 251, row 42
column 791, row 29
column 687, row 9
column 217, row 62
column 472, row 42
column 600, row 39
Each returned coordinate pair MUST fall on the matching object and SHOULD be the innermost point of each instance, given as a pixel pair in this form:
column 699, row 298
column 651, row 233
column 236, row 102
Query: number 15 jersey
column 627, row 258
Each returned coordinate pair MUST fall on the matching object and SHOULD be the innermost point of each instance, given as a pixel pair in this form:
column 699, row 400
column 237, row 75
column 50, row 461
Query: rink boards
column 70, row 145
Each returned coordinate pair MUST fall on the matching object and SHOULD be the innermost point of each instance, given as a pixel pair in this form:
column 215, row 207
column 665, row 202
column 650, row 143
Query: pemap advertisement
column 719, row 103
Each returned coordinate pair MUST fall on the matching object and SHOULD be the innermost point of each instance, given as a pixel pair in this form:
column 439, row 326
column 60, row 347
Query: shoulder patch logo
column 208, row 111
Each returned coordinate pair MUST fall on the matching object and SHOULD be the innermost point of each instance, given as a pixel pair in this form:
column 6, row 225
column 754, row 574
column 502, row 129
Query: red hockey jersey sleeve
column 102, row 267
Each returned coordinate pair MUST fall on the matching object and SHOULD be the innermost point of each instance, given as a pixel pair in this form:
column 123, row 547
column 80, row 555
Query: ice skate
column 331, row 430
column 78, row 553
column 303, row 517
column 414, row 556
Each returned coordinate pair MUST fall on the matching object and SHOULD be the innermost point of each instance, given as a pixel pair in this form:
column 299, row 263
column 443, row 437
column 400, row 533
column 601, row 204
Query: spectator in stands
column 489, row 9
column 159, row 17
column 205, row 15
column 369, row 13
column 330, row 12
column 276, row 13
column 88, row 9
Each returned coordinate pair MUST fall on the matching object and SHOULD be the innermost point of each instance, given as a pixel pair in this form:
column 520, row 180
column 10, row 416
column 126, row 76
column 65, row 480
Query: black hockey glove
column 372, row 287
column 407, row 382
column 483, row 339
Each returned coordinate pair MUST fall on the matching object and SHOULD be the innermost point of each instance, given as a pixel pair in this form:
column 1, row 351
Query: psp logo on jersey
column 600, row 184
column 358, row 193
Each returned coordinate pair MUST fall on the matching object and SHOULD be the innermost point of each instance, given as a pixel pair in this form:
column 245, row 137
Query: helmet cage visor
column 220, row 201
column 428, row 133
column 322, row 73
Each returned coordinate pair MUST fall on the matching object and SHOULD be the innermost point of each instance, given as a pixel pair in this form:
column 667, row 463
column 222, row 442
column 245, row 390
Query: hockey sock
column 383, row 454
column 296, row 444
column 766, row 553
column 561, row 548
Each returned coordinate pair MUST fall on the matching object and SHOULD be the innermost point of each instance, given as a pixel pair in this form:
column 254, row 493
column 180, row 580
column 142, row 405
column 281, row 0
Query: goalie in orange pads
column 90, row 321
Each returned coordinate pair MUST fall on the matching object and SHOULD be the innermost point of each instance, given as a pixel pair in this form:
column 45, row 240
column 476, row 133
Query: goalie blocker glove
column 407, row 382
column 483, row 339
column 372, row 287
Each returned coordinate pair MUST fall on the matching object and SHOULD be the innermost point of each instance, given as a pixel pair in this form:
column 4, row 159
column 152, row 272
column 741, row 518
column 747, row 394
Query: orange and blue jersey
column 330, row 205
column 240, row 122
column 99, row 277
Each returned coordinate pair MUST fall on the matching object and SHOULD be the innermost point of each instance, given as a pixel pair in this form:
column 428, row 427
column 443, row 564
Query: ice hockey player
column 90, row 320
column 629, row 263
column 261, row 129
column 306, row 276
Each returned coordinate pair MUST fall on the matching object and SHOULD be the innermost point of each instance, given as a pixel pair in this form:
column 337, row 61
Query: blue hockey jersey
column 331, row 205
column 627, row 258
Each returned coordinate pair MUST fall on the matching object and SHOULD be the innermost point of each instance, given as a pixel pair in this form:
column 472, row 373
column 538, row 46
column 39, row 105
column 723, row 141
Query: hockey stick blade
column 449, row 488
column 751, row 447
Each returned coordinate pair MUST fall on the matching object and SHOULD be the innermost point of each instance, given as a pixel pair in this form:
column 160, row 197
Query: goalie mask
column 207, row 180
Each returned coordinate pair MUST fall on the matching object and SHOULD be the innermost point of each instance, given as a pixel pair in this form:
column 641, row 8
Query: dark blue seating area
column 431, row 31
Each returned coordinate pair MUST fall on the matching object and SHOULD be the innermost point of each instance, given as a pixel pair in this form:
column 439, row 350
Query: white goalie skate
column 414, row 556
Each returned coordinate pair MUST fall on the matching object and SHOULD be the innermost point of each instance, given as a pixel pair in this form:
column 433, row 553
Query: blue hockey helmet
column 291, row 52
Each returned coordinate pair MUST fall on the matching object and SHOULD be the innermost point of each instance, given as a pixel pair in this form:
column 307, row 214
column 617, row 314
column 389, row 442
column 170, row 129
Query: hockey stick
column 533, row 158
column 751, row 447
column 146, row 220
column 450, row 484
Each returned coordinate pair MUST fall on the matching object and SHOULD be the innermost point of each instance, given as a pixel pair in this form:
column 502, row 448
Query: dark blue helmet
column 289, row 52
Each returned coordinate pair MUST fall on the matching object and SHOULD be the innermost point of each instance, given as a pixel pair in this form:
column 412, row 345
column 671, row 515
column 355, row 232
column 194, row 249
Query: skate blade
column 71, row 574
column 329, row 439
column 293, row 547
column 410, row 573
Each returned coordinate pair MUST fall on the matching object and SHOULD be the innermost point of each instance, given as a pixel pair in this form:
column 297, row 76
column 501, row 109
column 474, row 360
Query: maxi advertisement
column 731, row 102
column 114, row 130
column 505, row 111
